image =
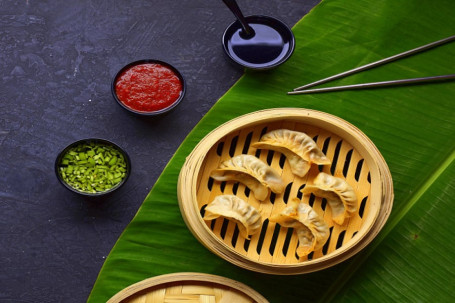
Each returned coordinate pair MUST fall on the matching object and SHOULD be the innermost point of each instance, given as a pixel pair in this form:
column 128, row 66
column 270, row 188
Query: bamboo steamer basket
column 188, row 287
column 354, row 157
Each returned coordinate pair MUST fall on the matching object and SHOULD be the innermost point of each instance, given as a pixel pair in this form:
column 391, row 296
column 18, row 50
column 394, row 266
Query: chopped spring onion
column 92, row 167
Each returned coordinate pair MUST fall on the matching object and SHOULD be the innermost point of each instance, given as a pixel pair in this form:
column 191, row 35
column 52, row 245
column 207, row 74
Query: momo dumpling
column 252, row 172
column 310, row 228
column 300, row 150
column 247, row 217
column 339, row 194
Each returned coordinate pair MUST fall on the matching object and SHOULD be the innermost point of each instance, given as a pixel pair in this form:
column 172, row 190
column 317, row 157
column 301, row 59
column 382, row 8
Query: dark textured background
column 57, row 59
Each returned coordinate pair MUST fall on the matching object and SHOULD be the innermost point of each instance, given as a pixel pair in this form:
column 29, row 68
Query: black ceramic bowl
column 272, row 44
column 100, row 143
column 156, row 112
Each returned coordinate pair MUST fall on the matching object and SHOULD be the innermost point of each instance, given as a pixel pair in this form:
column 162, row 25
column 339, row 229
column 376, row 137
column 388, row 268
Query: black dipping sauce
column 266, row 48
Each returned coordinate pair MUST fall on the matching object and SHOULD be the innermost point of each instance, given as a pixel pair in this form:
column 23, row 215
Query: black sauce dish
column 271, row 44
column 152, row 113
column 105, row 145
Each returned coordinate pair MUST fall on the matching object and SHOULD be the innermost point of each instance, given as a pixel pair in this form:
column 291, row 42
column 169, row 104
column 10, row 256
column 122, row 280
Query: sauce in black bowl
column 272, row 43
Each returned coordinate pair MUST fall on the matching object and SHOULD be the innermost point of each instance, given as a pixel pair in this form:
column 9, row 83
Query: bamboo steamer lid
column 354, row 157
column 188, row 287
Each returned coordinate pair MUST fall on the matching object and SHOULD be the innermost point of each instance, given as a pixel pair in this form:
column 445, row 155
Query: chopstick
column 379, row 62
column 375, row 84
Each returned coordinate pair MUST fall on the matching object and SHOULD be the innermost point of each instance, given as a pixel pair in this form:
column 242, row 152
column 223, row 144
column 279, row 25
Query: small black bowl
column 149, row 113
column 99, row 141
column 271, row 45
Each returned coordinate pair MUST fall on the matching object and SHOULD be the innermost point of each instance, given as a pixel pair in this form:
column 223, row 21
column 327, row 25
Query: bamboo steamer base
column 188, row 288
column 354, row 158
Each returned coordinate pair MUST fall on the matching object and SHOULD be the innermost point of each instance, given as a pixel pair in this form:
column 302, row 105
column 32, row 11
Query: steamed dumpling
column 300, row 150
column 252, row 172
column 339, row 194
column 311, row 229
column 247, row 217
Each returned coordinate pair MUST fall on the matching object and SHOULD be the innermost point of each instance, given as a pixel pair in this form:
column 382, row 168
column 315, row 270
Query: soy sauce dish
column 270, row 44
column 92, row 167
column 148, row 87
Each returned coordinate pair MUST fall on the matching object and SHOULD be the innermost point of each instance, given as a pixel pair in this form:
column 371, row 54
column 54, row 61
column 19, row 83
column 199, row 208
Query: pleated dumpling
column 252, row 172
column 340, row 195
column 247, row 217
column 311, row 229
column 300, row 150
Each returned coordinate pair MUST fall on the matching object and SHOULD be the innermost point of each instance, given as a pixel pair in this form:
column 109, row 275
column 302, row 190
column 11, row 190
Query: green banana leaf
column 411, row 260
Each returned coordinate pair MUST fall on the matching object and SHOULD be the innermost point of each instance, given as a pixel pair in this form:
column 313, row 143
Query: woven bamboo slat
column 188, row 287
column 354, row 158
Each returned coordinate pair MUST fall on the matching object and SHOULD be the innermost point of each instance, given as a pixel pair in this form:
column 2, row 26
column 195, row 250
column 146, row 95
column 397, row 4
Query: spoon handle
column 235, row 9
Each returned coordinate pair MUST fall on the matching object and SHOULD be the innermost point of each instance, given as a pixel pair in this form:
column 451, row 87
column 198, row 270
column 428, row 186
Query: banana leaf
column 411, row 260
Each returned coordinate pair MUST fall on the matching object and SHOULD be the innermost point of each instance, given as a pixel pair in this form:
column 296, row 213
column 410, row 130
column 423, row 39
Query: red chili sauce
column 148, row 87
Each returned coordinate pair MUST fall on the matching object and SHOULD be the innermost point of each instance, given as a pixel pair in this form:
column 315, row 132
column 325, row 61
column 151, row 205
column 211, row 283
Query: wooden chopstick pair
column 303, row 89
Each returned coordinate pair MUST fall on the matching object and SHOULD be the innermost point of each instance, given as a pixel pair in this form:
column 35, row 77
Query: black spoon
column 247, row 31
column 257, row 42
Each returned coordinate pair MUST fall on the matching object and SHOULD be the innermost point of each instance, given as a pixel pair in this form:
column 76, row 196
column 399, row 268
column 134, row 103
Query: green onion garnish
column 92, row 167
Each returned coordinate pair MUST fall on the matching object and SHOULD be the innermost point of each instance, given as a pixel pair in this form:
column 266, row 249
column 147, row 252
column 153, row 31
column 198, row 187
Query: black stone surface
column 57, row 59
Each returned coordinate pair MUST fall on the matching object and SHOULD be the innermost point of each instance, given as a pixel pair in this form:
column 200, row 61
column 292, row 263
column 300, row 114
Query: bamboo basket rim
column 183, row 277
column 380, row 176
